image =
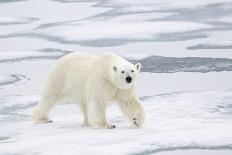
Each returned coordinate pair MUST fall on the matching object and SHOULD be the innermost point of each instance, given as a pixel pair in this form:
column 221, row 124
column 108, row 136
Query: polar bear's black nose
column 128, row 79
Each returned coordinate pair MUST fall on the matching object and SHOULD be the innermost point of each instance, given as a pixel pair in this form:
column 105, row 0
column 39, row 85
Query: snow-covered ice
column 30, row 55
column 15, row 20
column 124, row 30
column 173, row 121
column 185, row 85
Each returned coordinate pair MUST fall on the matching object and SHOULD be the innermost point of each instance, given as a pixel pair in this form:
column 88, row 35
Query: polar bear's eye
column 132, row 71
column 122, row 72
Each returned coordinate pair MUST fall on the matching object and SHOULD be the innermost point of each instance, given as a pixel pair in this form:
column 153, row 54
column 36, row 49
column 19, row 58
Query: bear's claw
column 111, row 126
column 136, row 122
column 43, row 121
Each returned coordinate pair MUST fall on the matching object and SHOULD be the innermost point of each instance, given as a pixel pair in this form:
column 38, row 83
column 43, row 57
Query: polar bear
column 92, row 81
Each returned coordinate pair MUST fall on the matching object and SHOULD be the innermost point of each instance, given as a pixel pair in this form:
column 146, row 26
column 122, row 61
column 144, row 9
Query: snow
column 142, row 17
column 4, row 79
column 173, row 120
column 97, row 23
column 15, row 20
column 226, row 19
column 43, row 12
column 212, row 45
column 118, row 30
column 148, row 5
column 17, row 56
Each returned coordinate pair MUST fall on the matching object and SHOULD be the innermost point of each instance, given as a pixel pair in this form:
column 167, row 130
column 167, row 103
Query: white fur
column 92, row 81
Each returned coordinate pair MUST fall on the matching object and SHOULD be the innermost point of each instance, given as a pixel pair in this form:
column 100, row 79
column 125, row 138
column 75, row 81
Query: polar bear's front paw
column 111, row 126
column 138, row 120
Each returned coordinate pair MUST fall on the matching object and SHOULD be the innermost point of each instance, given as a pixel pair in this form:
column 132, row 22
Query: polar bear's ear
column 115, row 68
column 138, row 67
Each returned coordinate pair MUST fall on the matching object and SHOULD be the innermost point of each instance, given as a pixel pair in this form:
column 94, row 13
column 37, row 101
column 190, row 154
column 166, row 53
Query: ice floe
column 16, row 20
column 48, row 53
column 87, row 32
column 173, row 121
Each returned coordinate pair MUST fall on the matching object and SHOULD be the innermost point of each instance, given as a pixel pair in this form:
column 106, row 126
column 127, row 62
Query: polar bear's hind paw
column 43, row 121
column 111, row 126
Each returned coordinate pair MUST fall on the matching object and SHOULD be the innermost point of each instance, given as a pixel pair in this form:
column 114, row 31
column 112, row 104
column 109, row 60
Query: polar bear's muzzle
column 128, row 79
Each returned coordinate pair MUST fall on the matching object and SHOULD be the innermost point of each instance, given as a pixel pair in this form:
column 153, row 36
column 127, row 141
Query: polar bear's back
column 76, row 71
column 76, row 59
column 68, row 75
column 73, row 62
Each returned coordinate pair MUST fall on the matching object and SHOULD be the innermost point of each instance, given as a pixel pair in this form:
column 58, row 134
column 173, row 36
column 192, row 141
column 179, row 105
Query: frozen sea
column 184, row 46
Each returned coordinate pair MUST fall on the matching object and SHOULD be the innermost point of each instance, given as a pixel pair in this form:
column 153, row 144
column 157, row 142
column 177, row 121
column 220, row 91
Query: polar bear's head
column 123, row 76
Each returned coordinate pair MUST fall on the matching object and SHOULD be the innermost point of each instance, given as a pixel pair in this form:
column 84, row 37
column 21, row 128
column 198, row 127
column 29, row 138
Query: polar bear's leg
column 41, row 111
column 84, row 110
column 52, row 92
column 96, row 114
column 133, row 110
